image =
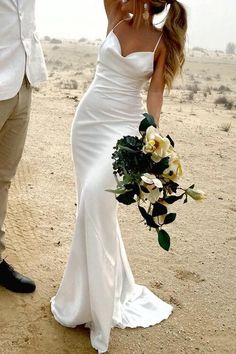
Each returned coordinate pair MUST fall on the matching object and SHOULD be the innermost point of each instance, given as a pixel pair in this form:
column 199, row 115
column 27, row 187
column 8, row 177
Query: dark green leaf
column 173, row 186
column 164, row 239
column 146, row 122
column 144, row 189
column 132, row 187
column 148, row 218
column 126, row 198
column 160, row 167
column 171, row 141
column 159, row 209
column 128, row 157
column 142, row 211
column 192, row 186
column 116, row 191
column 132, row 151
column 170, row 218
column 173, row 198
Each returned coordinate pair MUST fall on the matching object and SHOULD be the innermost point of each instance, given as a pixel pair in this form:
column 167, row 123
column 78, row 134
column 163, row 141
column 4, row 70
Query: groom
column 21, row 65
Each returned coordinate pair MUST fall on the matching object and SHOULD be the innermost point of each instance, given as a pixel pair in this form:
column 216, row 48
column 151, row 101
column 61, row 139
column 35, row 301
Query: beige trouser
column 14, row 119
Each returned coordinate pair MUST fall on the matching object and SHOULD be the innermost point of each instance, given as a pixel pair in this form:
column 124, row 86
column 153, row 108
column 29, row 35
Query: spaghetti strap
column 159, row 39
column 117, row 24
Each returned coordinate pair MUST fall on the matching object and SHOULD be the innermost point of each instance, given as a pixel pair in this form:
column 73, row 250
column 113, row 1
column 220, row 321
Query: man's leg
column 14, row 119
column 7, row 109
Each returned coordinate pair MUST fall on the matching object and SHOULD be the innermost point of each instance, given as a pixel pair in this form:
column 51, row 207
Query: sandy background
column 197, row 276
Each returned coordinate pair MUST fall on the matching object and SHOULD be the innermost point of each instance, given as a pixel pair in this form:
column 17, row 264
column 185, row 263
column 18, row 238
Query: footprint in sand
column 189, row 276
column 175, row 302
column 156, row 284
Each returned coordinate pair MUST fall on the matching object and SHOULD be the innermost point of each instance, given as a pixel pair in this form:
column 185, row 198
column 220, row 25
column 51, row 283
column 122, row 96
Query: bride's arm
column 156, row 87
column 114, row 13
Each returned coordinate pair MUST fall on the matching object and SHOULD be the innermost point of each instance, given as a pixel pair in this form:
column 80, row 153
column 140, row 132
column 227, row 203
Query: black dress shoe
column 14, row 281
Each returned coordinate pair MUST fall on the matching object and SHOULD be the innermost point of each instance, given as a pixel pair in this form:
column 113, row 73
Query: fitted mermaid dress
column 98, row 288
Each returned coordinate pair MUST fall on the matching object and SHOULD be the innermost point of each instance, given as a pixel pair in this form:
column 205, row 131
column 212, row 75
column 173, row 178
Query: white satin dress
column 98, row 288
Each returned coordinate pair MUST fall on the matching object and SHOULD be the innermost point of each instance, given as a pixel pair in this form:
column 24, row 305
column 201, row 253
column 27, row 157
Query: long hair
column 174, row 35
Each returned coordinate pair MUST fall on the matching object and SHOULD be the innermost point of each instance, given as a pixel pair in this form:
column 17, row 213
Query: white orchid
column 153, row 185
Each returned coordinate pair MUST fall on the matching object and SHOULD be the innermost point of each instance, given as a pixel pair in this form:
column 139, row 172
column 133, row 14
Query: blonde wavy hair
column 174, row 34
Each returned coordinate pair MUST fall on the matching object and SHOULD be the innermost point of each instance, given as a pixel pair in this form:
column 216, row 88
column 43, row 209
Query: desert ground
column 197, row 275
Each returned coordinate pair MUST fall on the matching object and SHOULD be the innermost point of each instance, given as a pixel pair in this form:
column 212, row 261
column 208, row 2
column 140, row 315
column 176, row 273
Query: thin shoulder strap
column 159, row 39
column 117, row 24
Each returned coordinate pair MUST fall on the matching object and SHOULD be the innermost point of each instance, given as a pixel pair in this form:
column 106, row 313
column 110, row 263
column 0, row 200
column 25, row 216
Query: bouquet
column 147, row 170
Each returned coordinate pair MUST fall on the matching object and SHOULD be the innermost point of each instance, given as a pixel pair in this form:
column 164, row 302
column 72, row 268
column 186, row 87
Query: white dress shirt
column 20, row 48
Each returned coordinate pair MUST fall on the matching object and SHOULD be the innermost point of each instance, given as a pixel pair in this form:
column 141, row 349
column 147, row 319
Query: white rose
column 174, row 171
column 155, row 144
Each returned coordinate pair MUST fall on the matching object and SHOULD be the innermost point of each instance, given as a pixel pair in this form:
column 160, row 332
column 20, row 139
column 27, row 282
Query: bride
column 98, row 288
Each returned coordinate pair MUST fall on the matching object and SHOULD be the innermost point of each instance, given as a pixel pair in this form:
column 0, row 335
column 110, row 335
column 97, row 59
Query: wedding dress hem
column 114, row 323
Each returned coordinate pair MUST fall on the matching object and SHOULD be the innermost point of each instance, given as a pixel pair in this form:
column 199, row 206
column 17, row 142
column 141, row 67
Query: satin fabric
column 98, row 288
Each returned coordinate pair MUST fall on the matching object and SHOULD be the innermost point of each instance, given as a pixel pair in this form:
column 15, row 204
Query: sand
column 197, row 275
